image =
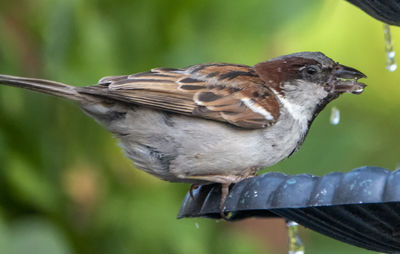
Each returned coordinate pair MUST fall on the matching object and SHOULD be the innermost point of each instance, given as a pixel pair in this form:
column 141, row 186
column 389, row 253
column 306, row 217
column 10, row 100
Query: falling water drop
column 335, row 116
column 295, row 244
column 390, row 54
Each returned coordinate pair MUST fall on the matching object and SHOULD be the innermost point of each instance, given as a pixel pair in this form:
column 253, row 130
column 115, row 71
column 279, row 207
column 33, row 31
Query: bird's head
column 309, row 80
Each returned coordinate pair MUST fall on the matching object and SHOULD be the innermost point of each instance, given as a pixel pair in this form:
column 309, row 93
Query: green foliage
column 33, row 234
column 65, row 186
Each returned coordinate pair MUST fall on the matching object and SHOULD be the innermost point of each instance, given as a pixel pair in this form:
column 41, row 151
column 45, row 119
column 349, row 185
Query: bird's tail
column 43, row 86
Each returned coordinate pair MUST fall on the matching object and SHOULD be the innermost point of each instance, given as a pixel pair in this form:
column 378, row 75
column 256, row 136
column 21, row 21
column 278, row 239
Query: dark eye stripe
column 311, row 70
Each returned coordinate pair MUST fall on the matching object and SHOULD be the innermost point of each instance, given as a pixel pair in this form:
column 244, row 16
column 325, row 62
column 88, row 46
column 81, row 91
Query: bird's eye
column 311, row 70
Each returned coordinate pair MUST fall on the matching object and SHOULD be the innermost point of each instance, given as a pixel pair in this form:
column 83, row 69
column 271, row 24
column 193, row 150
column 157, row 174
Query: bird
column 214, row 122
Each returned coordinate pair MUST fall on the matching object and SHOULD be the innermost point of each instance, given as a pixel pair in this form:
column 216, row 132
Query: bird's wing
column 222, row 92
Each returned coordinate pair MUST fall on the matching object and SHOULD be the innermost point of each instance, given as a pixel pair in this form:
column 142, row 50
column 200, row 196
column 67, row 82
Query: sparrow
column 214, row 122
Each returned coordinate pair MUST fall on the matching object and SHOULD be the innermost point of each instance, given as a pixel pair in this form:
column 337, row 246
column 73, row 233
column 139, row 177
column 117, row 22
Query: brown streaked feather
column 223, row 92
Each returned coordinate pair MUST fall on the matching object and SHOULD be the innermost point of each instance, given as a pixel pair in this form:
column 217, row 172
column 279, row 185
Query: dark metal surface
column 361, row 207
column 387, row 11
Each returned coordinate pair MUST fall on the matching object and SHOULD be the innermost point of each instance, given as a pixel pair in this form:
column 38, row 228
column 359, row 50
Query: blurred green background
column 65, row 186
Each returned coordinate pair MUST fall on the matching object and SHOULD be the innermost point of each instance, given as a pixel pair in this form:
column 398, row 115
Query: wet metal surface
column 360, row 207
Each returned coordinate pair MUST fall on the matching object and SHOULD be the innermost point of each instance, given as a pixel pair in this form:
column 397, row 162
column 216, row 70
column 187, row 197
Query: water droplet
column 390, row 53
column 335, row 116
column 295, row 244
column 392, row 67
column 358, row 91
column 196, row 225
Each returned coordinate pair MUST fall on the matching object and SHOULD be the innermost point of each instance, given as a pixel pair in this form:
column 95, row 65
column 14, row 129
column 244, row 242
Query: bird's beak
column 345, row 79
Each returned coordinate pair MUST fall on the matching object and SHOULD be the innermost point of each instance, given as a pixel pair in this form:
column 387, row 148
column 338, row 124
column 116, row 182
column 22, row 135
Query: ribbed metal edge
column 360, row 207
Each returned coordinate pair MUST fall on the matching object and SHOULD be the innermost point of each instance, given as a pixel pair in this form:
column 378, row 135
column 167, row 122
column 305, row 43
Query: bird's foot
column 225, row 181
column 224, row 195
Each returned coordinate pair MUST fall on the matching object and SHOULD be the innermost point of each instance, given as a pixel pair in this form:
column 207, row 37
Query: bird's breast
column 170, row 146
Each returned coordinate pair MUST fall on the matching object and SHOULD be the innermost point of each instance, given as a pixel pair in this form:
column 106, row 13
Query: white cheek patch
column 257, row 108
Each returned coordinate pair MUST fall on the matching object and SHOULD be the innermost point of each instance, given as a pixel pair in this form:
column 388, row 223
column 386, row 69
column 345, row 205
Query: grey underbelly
column 170, row 146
